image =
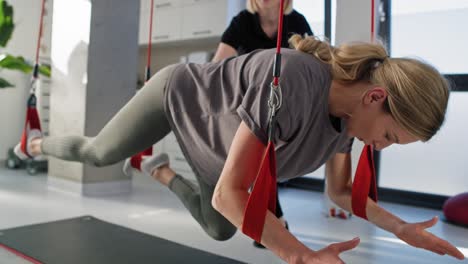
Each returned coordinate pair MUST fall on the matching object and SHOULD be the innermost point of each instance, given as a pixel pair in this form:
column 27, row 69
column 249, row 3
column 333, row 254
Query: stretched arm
column 224, row 51
column 231, row 194
column 338, row 172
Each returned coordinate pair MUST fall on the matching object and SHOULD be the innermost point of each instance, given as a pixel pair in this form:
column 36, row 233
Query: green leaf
column 10, row 62
column 5, row 84
column 44, row 70
column 6, row 22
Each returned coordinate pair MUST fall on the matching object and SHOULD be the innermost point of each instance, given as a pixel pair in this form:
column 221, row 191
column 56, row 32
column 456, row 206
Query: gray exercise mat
column 92, row 241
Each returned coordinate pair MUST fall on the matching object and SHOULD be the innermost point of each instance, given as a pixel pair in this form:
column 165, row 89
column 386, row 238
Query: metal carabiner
column 274, row 104
column 276, row 98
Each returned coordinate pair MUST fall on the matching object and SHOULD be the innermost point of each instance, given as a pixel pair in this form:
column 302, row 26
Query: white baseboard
column 89, row 189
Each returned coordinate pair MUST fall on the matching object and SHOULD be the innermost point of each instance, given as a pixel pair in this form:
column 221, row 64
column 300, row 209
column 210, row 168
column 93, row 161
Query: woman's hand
column 327, row 255
column 416, row 235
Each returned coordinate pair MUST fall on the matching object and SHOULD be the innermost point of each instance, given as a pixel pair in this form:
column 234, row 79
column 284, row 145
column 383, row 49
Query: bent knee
column 222, row 233
column 98, row 158
column 99, row 163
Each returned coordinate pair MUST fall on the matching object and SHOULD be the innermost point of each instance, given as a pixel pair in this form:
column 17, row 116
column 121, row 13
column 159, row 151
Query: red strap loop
column 263, row 196
column 364, row 184
column 32, row 122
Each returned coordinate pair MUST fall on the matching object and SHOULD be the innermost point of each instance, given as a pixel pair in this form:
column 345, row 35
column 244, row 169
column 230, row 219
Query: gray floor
column 152, row 209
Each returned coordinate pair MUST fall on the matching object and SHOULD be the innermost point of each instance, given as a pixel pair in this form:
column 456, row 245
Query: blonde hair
column 252, row 6
column 417, row 93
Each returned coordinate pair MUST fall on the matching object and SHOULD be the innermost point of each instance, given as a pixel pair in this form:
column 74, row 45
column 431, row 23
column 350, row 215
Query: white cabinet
column 167, row 3
column 183, row 19
column 166, row 22
column 144, row 21
column 203, row 18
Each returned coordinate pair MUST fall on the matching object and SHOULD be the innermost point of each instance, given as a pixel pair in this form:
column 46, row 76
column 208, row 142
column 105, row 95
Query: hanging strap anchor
column 274, row 104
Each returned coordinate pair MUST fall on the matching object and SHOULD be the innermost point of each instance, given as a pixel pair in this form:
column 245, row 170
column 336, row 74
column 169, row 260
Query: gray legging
column 137, row 126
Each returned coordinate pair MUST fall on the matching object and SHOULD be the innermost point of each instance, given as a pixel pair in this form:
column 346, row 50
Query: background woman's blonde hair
column 417, row 93
column 252, row 6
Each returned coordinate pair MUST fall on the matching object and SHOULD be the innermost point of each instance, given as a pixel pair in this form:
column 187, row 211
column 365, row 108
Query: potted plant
column 8, row 61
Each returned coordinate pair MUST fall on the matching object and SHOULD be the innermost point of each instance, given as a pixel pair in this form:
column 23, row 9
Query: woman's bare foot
column 30, row 149
column 163, row 174
column 36, row 146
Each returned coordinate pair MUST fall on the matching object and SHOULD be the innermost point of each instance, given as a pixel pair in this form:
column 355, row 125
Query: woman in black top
column 256, row 28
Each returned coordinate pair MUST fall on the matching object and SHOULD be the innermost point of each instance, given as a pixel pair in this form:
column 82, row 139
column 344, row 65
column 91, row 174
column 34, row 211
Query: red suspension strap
column 136, row 160
column 150, row 38
column 277, row 65
column 364, row 183
column 41, row 21
column 372, row 20
column 263, row 193
column 32, row 117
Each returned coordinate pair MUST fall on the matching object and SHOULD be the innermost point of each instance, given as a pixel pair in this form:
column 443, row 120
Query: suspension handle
column 36, row 71
column 32, row 101
column 277, row 69
column 147, row 73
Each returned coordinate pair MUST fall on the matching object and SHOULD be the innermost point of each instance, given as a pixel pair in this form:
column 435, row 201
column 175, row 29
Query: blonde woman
column 219, row 112
column 256, row 28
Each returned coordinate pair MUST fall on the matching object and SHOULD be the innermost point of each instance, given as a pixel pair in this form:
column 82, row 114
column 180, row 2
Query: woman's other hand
column 415, row 234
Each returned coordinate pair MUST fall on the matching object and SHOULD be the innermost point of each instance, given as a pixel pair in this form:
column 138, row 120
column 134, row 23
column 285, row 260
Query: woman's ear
column 375, row 95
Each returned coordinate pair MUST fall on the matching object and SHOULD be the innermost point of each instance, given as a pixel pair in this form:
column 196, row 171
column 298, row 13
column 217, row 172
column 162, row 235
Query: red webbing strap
column 276, row 69
column 32, row 116
column 150, row 39
column 32, row 122
column 364, row 184
column 38, row 44
column 135, row 161
column 262, row 196
column 372, row 20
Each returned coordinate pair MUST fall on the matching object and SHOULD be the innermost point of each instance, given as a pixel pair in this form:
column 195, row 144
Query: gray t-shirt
column 205, row 104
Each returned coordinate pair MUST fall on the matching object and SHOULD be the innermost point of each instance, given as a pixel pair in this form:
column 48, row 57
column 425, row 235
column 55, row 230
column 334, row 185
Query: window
column 318, row 15
column 434, row 31
column 437, row 167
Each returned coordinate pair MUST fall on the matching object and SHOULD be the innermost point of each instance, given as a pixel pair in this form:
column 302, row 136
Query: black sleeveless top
column 245, row 33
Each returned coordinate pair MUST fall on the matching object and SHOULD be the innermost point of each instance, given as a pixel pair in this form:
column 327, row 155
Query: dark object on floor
column 92, row 241
column 14, row 162
column 456, row 209
column 32, row 166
